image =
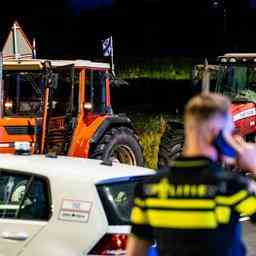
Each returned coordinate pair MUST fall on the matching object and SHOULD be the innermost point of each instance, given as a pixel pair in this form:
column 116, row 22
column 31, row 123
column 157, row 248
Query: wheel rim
column 123, row 154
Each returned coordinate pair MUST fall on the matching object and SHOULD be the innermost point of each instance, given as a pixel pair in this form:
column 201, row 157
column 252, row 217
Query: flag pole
column 15, row 46
column 112, row 57
column 34, row 48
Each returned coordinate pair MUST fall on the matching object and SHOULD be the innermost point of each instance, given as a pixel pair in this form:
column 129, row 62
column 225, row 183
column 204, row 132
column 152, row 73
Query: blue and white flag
column 107, row 46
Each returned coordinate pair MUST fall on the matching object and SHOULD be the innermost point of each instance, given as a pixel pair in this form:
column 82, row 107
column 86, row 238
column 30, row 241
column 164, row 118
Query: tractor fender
column 108, row 123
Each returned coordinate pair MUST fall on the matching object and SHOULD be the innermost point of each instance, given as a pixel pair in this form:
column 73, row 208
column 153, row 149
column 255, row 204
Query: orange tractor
column 63, row 107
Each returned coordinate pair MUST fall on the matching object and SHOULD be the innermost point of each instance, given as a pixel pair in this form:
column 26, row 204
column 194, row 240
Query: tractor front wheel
column 119, row 145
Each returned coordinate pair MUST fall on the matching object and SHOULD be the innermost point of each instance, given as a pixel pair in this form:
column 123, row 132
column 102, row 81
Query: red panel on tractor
column 244, row 116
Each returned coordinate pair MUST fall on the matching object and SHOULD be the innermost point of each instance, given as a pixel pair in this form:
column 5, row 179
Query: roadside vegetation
column 163, row 68
column 166, row 77
column 150, row 128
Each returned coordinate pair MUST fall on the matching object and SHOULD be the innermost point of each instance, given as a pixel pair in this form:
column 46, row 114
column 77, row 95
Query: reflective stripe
column 182, row 219
column 223, row 214
column 163, row 189
column 202, row 190
column 193, row 163
column 233, row 199
column 138, row 216
column 247, row 207
column 139, row 202
column 180, row 203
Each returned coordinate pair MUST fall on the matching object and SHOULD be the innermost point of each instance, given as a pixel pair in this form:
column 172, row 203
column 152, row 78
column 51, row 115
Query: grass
column 164, row 68
column 149, row 129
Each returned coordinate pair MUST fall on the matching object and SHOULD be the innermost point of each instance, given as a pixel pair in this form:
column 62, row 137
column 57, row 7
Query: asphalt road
column 250, row 237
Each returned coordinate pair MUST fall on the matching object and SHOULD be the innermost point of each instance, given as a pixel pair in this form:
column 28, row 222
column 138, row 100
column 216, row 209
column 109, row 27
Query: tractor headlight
column 8, row 104
column 223, row 60
column 88, row 106
column 232, row 60
column 22, row 147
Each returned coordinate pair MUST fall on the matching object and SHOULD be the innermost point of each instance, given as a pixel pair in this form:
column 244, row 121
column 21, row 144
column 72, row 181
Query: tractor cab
column 60, row 107
column 41, row 101
column 236, row 76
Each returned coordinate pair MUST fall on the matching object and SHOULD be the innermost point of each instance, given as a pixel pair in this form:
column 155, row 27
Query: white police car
column 65, row 206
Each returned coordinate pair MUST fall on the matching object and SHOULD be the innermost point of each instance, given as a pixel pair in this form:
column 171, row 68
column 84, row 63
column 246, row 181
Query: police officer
column 193, row 207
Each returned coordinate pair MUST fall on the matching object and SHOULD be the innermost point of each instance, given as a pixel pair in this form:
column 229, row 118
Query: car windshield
column 117, row 200
column 237, row 81
column 22, row 93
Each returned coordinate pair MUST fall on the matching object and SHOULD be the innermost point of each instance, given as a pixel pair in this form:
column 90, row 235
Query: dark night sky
column 78, row 5
column 252, row 3
column 146, row 28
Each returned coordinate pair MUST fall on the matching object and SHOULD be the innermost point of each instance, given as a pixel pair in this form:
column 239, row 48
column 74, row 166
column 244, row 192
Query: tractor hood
column 16, row 130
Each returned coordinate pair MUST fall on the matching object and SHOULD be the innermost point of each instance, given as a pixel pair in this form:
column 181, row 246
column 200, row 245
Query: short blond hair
column 205, row 106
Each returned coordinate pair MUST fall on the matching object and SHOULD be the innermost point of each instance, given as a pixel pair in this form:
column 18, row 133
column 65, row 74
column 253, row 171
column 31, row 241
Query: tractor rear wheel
column 171, row 145
column 119, row 145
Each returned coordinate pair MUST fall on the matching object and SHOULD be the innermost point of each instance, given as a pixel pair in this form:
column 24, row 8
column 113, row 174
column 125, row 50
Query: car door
column 24, row 210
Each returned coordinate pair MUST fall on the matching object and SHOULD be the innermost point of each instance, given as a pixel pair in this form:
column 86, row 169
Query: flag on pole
column 108, row 51
column 107, row 46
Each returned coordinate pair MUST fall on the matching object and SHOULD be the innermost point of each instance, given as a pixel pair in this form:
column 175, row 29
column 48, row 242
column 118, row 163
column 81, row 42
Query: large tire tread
column 122, row 135
column 171, row 145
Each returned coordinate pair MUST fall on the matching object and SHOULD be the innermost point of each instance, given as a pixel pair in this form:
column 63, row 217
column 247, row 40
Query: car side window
column 23, row 197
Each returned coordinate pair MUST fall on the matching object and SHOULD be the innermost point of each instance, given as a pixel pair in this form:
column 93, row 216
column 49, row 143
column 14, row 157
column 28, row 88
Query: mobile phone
column 223, row 147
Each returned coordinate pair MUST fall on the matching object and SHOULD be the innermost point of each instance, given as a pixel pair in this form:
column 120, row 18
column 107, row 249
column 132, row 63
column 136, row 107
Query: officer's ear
column 216, row 125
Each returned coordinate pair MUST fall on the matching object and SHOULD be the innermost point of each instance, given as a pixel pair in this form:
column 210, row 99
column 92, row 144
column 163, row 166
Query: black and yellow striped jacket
column 193, row 208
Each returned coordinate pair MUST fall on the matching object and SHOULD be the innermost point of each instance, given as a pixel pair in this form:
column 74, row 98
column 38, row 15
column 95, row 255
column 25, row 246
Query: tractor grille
column 20, row 130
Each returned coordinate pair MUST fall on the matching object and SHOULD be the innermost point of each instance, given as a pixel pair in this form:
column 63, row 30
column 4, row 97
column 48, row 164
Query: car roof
column 70, row 167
